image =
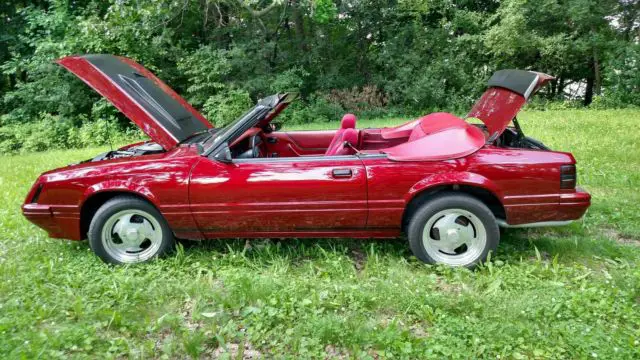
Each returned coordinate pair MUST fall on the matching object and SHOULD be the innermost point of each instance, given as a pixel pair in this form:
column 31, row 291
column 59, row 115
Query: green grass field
column 571, row 292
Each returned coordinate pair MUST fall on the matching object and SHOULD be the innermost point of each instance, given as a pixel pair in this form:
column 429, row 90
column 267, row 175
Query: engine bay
column 136, row 150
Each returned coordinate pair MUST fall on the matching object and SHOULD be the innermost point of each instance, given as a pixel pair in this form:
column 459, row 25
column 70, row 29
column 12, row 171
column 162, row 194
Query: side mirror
column 224, row 154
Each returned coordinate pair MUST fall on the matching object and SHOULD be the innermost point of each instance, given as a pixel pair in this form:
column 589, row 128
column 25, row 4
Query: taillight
column 36, row 194
column 567, row 177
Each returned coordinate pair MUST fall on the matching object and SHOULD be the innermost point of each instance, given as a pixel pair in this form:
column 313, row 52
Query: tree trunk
column 588, row 93
column 560, row 89
column 12, row 81
column 593, row 80
column 298, row 23
column 597, row 78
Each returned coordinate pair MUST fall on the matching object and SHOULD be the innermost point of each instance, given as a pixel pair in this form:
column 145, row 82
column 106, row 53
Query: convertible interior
column 436, row 136
column 432, row 137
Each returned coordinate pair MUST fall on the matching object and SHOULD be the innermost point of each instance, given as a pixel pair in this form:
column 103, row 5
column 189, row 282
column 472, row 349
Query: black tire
column 164, row 245
column 442, row 202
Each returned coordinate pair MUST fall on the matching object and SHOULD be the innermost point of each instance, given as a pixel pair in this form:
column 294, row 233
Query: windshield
column 265, row 110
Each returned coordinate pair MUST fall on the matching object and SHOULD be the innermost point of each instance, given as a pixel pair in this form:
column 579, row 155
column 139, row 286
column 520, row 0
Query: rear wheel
column 453, row 229
column 128, row 230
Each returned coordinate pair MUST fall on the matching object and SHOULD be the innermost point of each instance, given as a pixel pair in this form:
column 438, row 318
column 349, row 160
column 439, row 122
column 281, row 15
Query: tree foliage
column 417, row 55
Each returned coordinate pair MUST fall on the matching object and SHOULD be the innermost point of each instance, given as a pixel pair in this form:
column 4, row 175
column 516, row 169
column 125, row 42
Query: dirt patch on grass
column 544, row 256
column 235, row 351
column 621, row 238
column 544, row 232
column 187, row 314
column 444, row 286
column 359, row 258
column 334, row 352
column 417, row 329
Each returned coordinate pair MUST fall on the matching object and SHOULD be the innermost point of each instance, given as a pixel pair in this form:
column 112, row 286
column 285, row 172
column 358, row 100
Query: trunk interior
column 511, row 138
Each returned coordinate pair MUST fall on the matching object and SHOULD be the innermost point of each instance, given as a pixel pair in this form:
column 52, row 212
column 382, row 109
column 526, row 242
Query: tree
column 417, row 55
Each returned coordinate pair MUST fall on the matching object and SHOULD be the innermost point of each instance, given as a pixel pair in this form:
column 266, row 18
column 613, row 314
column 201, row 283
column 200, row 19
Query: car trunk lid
column 508, row 91
column 151, row 104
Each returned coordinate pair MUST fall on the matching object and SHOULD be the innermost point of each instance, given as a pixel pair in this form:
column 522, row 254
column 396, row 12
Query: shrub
column 367, row 98
column 9, row 142
column 50, row 132
column 622, row 78
column 54, row 132
column 291, row 80
column 206, row 70
column 540, row 103
column 611, row 101
column 226, row 106
column 316, row 109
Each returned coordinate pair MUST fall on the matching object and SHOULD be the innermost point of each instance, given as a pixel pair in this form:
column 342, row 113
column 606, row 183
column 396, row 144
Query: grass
column 571, row 292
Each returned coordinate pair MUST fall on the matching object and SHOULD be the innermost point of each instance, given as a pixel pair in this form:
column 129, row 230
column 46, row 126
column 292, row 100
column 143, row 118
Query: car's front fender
column 129, row 186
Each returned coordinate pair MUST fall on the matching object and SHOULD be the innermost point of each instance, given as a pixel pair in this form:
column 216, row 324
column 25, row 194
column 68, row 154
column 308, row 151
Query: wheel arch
column 94, row 200
column 470, row 184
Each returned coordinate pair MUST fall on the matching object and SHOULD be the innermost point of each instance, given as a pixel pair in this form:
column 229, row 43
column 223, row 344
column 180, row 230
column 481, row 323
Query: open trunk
column 508, row 91
column 511, row 138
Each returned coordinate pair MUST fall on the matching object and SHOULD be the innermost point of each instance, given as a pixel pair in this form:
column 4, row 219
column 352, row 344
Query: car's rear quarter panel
column 529, row 181
column 525, row 181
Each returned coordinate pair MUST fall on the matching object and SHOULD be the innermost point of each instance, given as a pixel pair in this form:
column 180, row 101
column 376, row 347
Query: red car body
column 291, row 189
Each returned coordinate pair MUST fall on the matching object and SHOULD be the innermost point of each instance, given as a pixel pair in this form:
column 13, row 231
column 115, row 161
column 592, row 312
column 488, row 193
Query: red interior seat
column 345, row 144
column 348, row 123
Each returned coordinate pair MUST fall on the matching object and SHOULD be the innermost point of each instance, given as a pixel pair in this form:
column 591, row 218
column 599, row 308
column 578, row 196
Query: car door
column 270, row 196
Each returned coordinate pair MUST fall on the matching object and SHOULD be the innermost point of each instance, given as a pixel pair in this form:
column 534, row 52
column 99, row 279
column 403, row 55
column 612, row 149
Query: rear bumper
column 58, row 222
column 536, row 212
column 573, row 205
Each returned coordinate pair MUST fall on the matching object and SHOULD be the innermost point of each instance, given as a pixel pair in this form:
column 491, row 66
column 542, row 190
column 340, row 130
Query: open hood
column 159, row 111
column 508, row 91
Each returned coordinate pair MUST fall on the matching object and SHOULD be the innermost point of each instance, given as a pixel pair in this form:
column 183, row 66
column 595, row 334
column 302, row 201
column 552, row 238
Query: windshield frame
column 248, row 120
column 240, row 125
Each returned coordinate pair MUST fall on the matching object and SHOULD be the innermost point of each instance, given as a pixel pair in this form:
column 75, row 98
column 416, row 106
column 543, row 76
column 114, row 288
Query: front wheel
column 453, row 229
column 128, row 230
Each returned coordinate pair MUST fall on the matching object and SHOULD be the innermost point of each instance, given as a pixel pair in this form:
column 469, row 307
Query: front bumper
column 58, row 221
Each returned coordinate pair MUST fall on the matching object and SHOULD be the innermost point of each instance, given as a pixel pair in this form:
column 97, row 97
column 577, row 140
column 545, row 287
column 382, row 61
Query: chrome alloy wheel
column 131, row 236
column 454, row 237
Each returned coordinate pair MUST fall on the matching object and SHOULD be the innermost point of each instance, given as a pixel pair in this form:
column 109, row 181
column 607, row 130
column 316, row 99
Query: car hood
column 151, row 104
column 508, row 91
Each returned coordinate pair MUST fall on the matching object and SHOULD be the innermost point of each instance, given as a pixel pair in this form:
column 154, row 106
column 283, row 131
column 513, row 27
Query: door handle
column 342, row 173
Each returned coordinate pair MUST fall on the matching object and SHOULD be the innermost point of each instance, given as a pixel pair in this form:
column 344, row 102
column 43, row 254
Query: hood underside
column 159, row 111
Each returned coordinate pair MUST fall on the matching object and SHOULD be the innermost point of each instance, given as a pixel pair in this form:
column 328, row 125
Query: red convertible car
column 448, row 184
